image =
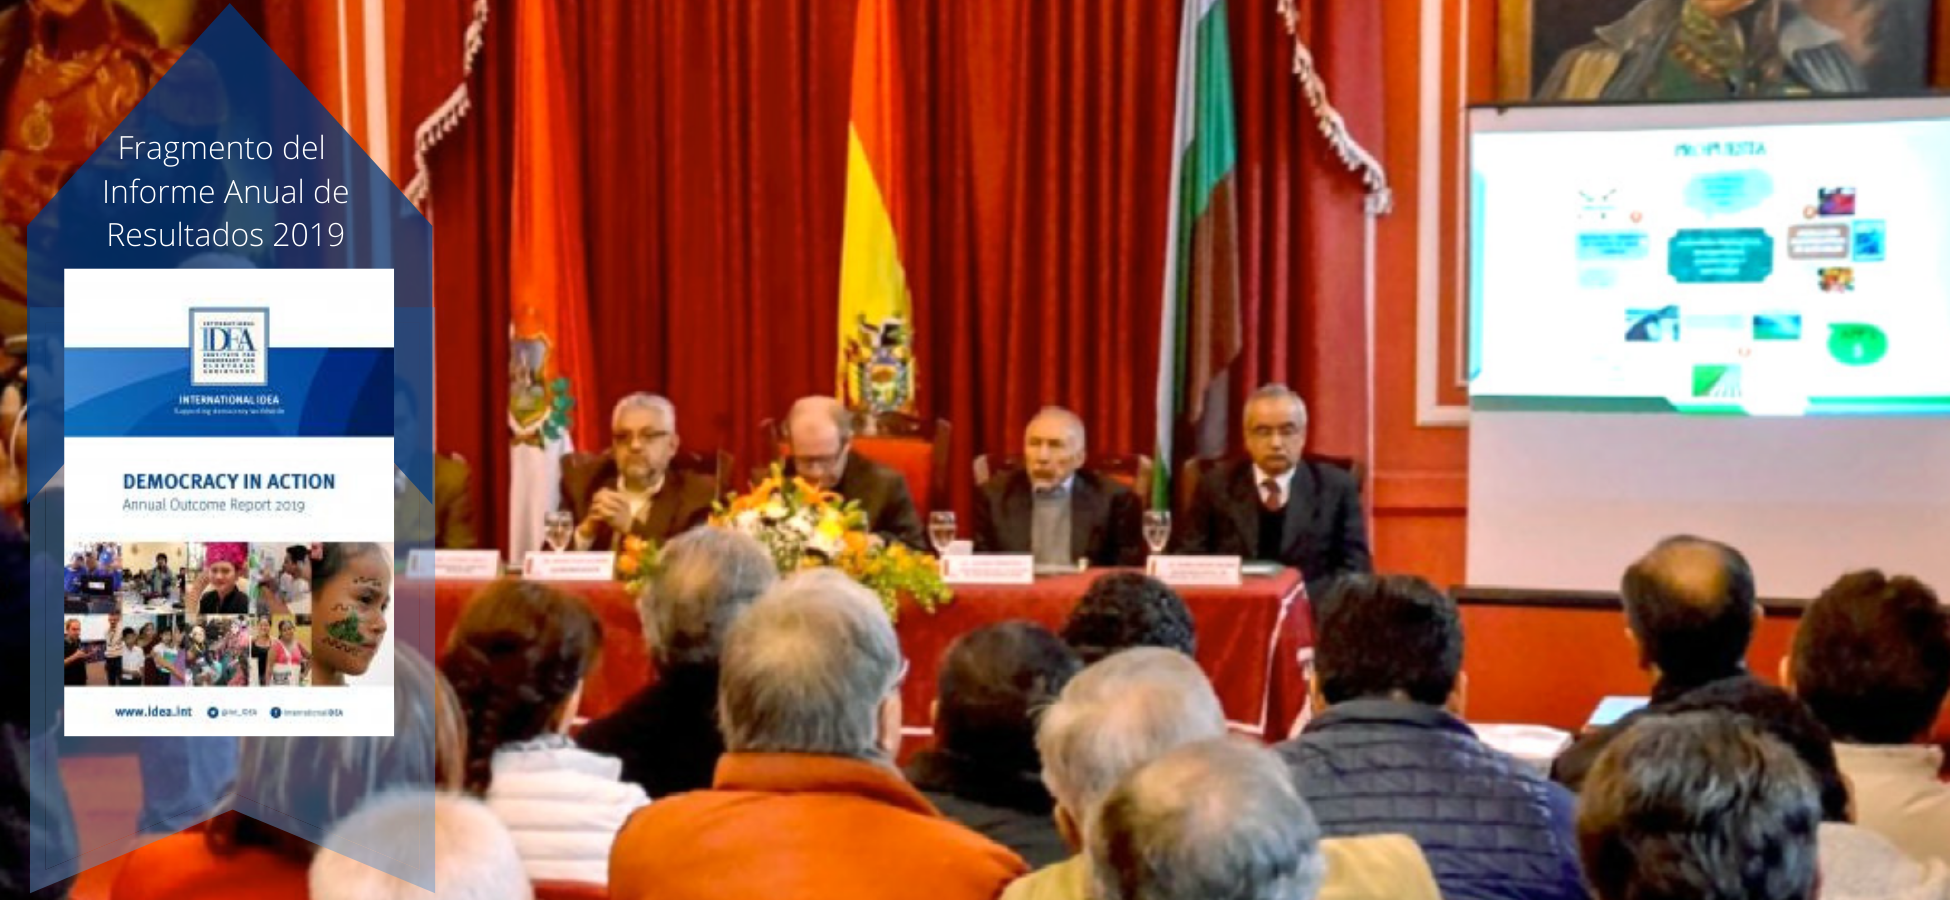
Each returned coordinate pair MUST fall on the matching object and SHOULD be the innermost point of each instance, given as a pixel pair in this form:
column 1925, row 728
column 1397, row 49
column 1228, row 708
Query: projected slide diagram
column 1776, row 270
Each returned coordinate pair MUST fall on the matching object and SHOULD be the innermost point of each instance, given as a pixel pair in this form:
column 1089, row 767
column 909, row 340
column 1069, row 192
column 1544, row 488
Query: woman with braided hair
column 516, row 660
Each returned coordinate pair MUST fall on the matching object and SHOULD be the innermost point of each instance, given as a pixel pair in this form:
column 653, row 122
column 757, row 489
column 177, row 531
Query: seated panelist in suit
column 1278, row 506
column 819, row 436
column 633, row 490
column 1055, row 509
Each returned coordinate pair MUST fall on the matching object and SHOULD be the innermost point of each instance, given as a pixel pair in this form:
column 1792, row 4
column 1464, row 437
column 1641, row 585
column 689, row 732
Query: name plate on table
column 1195, row 571
column 989, row 568
column 465, row 565
column 569, row 566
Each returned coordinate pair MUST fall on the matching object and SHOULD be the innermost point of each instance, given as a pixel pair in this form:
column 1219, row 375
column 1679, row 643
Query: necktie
column 1270, row 495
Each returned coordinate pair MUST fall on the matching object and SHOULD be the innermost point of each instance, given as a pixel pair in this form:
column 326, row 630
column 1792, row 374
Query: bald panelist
column 1279, row 506
column 1053, row 508
column 819, row 437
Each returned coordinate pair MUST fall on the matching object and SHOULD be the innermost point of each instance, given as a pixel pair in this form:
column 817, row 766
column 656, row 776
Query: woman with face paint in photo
column 352, row 585
column 217, row 587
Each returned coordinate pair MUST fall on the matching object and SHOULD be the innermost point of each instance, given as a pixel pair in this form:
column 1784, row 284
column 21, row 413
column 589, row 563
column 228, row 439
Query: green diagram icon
column 1857, row 344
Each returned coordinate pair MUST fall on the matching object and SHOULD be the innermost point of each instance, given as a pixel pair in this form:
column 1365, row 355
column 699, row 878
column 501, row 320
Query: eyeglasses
column 640, row 436
column 1284, row 432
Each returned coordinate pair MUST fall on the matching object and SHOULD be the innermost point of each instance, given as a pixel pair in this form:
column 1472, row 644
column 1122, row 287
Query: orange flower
column 632, row 545
column 627, row 564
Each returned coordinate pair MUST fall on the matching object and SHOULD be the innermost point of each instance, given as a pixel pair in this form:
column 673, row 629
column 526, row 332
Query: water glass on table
column 941, row 531
column 558, row 528
column 1157, row 530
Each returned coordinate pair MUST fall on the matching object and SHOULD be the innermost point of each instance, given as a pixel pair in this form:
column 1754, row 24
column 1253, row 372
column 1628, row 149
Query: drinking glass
column 1157, row 530
column 941, row 530
column 557, row 528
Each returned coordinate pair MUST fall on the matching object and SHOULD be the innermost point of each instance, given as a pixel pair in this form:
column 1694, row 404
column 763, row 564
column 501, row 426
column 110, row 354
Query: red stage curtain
column 714, row 135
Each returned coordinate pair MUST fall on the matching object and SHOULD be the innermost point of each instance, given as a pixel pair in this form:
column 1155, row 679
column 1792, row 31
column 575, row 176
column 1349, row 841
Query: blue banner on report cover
column 307, row 392
column 231, row 312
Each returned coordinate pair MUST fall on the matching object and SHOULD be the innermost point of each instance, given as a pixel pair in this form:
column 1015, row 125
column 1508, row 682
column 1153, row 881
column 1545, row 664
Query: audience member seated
column 1701, row 806
column 449, row 737
column 819, row 434
column 516, row 660
column 1136, row 706
column 1855, row 862
column 1388, row 753
column 472, row 855
column 1218, row 818
column 316, row 781
column 1690, row 610
column 1124, row 610
column 1114, row 716
column 983, row 770
column 1872, row 660
column 806, row 804
column 667, row 734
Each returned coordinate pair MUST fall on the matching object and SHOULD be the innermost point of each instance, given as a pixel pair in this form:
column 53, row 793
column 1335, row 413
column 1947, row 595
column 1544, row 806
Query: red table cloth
column 1250, row 640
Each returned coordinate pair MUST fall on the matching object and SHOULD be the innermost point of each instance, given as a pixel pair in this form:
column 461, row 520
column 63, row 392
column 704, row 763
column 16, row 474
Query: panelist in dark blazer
column 633, row 489
column 819, row 435
column 1279, row 506
column 1055, row 509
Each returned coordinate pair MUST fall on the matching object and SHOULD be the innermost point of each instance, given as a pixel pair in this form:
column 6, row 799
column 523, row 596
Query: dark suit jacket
column 683, row 503
column 1106, row 519
column 883, row 497
column 1326, row 533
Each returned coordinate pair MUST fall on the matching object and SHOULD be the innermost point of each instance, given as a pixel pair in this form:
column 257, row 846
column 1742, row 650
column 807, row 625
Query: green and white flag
column 1199, row 332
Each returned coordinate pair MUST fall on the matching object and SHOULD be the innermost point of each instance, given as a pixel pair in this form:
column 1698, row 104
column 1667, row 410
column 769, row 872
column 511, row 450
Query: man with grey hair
column 632, row 490
column 1278, row 505
column 471, row 855
column 819, row 439
column 1135, row 706
column 806, row 803
column 1702, row 806
column 1054, row 508
column 1218, row 818
column 667, row 734
column 1117, row 714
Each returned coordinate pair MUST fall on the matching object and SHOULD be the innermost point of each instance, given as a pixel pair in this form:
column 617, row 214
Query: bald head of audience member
column 1216, row 818
column 1690, row 606
column 1115, row 715
column 1052, row 447
column 706, row 578
column 818, row 433
column 472, row 855
column 812, row 667
column 1702, row 806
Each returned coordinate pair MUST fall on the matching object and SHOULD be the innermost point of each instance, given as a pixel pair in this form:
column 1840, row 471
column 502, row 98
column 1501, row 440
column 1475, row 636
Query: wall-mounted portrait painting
column 1682, row 50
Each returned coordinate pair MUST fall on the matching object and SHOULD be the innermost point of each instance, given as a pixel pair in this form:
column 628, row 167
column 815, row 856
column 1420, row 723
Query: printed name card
column 1195, row 571
column 463, row 565
column 989, row 568
column 569, row 566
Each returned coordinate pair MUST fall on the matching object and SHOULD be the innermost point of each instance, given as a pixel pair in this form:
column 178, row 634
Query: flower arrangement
column 804, row 527
column 637, row 563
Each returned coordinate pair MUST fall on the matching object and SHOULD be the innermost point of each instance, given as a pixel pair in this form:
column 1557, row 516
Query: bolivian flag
column 876, row 315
